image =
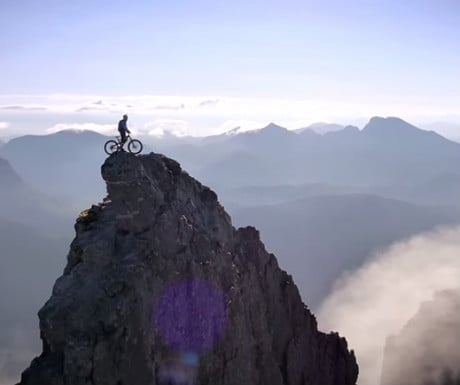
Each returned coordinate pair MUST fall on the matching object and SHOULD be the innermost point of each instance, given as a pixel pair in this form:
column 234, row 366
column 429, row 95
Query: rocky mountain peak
column 273, row 128
column 160, row 288
column 390, row 126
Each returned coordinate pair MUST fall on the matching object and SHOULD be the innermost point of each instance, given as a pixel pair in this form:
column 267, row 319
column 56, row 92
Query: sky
column 202, row 67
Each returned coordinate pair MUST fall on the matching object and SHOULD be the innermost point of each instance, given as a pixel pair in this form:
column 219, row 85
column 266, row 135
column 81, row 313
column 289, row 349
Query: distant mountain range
column 34, row 233
column 388, row 157
column 23, row 204
column 60, row 165
column 30, row 261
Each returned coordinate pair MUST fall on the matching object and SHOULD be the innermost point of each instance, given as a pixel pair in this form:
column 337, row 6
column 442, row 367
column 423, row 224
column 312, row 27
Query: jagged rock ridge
column 160, row 288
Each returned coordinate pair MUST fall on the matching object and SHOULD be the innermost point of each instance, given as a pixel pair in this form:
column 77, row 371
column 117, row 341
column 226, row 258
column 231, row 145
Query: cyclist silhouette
column 123, row 129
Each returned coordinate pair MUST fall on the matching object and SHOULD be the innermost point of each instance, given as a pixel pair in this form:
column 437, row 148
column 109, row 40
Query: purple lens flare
column 190, row 316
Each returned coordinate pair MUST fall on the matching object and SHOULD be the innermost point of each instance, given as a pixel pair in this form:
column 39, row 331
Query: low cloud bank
column 426, row 351
column 378, row 299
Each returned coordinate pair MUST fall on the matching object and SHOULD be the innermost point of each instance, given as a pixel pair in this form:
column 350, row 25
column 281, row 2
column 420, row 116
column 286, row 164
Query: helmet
column 125, row 116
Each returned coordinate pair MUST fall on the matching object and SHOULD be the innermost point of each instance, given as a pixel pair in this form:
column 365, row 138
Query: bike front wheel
column 135, row 146
column 110, row 147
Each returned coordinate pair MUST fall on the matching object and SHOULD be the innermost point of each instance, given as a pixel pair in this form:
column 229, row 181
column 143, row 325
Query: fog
column 426, row 351
column 378, row 299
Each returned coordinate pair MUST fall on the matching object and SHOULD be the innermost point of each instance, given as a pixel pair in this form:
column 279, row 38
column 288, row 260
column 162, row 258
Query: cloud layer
column 377, row 300
column 427, row 349
column 206, row 115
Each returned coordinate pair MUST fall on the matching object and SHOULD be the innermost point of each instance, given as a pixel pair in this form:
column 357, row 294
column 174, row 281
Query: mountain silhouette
column 23, row 204
column 59, row 164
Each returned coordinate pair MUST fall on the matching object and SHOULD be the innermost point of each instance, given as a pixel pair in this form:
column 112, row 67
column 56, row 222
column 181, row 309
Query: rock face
column 159, row 288
column 427, row 351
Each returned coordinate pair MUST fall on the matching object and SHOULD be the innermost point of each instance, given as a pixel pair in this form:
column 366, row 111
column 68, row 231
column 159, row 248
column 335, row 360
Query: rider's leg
column 123, row 137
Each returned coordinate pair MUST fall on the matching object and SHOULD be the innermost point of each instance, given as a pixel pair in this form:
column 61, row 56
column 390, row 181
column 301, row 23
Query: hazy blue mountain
column 321, row 128
column 64, row 164
column 404, row 154
column 236, row 135
column 34, row 234
column 400, row 135
column 255, row 195
column 448, row 129
column 390, row 150
column 263, row 136
column 348, row 132
column 320, row 237
column 29, row 264
column 441, row 189
column 387, row 155
column 10, row 179
column 28, row 258
column 220, row 159
column 222, row 171
column 20, row 203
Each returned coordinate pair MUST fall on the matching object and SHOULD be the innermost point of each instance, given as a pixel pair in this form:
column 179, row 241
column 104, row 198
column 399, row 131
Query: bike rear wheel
column 110, row 147
column 135, row 146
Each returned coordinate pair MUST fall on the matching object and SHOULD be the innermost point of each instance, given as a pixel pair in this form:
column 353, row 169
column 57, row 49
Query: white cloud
column 244, row 125
column 22, row 108
column 160, row 127
column 378, row 299
column 272, row 108
column 209, row 103
column 4, row 125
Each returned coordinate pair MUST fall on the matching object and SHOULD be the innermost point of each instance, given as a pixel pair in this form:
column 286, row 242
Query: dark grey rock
column 160, row 288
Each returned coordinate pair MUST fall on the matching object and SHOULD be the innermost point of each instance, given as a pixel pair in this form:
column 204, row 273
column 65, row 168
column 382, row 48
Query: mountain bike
column 134, row 146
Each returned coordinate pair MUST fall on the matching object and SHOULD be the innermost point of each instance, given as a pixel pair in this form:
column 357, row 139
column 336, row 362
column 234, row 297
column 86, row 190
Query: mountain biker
column 123, row 129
